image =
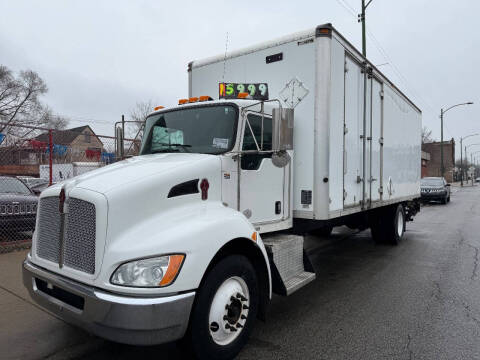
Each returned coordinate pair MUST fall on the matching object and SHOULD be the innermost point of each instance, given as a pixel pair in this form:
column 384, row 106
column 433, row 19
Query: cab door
column 262, row 184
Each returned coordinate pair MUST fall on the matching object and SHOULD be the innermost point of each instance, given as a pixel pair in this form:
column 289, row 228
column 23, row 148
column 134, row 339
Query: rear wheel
column 225, row 310
column 388, row 226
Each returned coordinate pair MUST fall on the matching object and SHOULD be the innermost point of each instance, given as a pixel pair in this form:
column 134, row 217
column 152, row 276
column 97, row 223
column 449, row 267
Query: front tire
column 225, row 310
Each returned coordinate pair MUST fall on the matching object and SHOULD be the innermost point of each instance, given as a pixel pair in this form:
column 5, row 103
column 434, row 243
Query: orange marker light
column 158, row 108
column 182, row 101
column 254, row 236
column 193, row 99
column 205, row 98
column 242, row 95
column 174, row 266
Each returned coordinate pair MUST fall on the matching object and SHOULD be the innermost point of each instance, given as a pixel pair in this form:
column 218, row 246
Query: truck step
column 291, row 268
column 299, row 281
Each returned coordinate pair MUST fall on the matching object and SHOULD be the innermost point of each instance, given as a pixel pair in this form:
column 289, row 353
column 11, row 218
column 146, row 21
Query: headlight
column 152, row 272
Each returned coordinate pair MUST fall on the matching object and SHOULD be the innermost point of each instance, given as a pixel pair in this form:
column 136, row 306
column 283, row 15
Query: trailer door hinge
column 380, row 141
column 345, row 129
column 382, row 94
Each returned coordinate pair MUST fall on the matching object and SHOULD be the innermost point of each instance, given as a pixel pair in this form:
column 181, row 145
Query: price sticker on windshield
column 231, row 90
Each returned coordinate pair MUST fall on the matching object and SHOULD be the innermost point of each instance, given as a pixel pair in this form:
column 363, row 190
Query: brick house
column 82, row 144
column 433, row 166
column 425, row 160
column 72, row 145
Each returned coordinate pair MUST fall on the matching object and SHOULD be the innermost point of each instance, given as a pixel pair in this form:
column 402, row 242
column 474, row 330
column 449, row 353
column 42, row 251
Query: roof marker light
column 242, row 95
column 158, row 108
column 182, row 101
column 205, row 98
column 193, row 99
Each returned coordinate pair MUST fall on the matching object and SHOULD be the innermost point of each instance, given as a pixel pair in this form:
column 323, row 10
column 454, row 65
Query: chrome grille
column 78, row 235
column 79, row 240
column 48, row 231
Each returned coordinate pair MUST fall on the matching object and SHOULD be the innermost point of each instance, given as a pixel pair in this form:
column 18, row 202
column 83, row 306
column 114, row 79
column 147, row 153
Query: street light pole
column 442, row 112
column 442, row 167
column 461, row 156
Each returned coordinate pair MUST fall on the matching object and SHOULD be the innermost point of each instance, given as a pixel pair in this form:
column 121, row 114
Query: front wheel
column 225, row 310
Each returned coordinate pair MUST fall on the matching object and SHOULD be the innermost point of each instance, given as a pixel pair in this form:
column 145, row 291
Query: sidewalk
column 28, row 332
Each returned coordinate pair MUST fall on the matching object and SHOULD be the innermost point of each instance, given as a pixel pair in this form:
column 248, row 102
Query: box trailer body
column 335, row 172
column 192, row 237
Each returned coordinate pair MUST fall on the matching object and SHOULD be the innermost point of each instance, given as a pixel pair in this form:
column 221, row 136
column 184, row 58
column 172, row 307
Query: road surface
column 418, row 300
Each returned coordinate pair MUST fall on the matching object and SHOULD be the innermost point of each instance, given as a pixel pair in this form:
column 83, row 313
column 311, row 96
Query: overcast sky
column 101, row 57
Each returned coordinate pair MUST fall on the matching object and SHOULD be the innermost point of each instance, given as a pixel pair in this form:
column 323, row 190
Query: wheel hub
column 229, row 310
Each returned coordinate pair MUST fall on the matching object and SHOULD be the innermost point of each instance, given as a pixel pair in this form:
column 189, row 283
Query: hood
column 20, row 198
column 135, row 170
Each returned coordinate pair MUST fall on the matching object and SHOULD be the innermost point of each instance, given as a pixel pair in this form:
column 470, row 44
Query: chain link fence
column 33, row 158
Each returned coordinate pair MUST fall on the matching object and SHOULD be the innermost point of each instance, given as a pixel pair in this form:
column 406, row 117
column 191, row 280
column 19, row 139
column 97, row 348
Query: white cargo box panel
column 347, row 159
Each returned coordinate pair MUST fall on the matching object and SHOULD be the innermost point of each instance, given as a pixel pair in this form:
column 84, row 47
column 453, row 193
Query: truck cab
column 124, row 250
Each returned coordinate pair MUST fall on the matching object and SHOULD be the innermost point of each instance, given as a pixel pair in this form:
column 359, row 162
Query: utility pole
column 361, row 18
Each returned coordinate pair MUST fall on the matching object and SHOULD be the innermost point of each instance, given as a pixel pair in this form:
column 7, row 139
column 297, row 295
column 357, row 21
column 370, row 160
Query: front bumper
column 124, row 319
column 426, row 196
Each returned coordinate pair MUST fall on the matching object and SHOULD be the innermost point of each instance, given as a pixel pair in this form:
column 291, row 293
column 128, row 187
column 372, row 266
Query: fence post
column 50, row 156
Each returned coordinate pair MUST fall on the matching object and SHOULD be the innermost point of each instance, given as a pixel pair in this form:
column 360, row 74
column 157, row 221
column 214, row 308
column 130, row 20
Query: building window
column 87, row 138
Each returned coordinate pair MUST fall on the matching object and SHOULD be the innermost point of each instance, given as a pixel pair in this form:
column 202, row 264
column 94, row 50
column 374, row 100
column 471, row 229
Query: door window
column 253, row 137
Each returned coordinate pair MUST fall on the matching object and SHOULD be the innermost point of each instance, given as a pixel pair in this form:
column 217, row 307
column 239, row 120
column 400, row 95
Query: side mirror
column 282, row 129
column 119, row 147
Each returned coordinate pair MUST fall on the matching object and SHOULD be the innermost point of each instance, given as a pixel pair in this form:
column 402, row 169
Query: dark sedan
column 18, row 206
column 435, row 189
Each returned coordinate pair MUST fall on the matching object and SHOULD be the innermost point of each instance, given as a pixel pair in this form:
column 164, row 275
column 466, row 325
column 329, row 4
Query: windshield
column 203, row 129
column 13, row 186
column 432, row 182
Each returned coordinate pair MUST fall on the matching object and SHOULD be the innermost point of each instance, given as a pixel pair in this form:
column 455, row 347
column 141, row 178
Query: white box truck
column 191, row 238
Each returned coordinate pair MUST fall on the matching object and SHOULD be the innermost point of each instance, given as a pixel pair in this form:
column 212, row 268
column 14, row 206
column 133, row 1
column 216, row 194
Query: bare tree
column 426, row 135
column 19, row 96
column 139, row 113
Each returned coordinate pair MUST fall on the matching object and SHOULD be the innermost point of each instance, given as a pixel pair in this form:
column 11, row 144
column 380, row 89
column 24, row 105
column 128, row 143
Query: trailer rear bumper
column 124, row 319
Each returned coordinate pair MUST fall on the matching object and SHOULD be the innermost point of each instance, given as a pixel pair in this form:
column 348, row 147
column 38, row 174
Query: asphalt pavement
column 418, row 300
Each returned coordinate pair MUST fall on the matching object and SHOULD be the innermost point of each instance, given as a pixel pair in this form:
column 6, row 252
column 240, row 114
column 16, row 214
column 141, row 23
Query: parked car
column 435, row 189
column 18, row 205
column 477, row 180
column 32, row 182
column 38, row 188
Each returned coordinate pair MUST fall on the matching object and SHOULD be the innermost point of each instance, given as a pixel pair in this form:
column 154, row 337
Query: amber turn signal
column 174, row 266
